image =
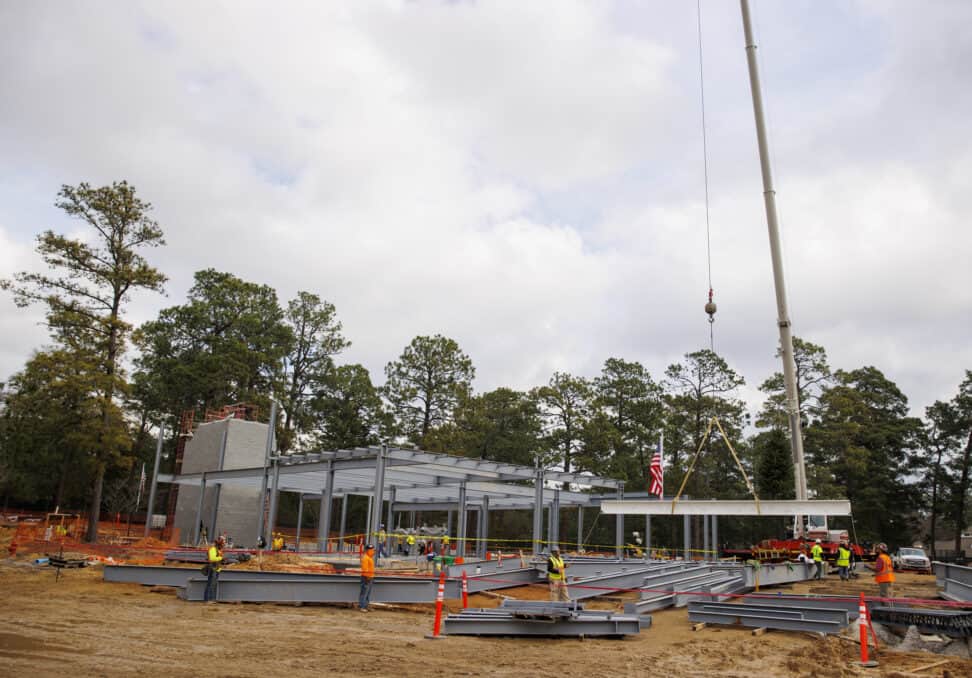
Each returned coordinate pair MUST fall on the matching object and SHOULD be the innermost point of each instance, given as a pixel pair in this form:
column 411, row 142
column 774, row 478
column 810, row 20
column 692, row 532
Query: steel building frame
column 410, row 480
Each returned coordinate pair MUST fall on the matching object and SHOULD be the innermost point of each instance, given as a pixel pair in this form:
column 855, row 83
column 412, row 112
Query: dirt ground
column 82, row 626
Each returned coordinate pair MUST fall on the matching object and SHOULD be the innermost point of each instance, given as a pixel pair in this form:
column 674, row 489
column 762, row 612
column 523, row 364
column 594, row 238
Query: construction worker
column 382, row 536
column 214, row 562
column 409, row 543
column 557, row 576
column 884, row 572
column 367, row 577
column 817, row 554
column 843, row 561
column 445, row 545
column 278, row 541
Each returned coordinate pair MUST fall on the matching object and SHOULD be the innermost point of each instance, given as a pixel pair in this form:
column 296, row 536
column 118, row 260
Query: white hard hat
column 818, row 541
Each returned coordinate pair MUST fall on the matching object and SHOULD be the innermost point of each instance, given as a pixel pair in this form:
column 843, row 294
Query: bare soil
column 81, row 626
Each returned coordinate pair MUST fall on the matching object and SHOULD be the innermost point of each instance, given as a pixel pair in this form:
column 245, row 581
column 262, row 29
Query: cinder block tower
column 231, row 509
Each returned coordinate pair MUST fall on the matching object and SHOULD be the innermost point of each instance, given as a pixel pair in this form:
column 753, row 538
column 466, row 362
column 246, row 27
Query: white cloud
column 523, row 177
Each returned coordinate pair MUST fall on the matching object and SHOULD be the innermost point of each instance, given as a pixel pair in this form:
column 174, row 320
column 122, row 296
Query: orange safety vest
column 367, row 566
column 884, row 574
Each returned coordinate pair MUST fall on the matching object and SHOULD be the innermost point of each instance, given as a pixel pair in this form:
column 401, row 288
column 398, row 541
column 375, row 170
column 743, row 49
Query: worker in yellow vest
column 817, row 554
column 557, row 576
column 843, row 561
column 409, row 544
column 884, row 572
column 214, row 562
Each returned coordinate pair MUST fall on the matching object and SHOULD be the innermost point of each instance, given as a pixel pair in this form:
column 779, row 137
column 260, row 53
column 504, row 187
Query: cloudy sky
column 525, row 177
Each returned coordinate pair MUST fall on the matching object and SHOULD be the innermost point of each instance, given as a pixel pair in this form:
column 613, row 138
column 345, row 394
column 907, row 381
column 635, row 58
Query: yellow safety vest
column 817, row 553
column 410, row 540
column 215, row 558
column 558, row 566
column 843, row 557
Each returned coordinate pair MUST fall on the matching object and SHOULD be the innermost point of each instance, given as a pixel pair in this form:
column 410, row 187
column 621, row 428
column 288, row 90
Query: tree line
column 76, row 421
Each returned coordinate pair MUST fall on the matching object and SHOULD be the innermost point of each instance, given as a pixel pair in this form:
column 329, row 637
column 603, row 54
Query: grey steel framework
column 412, row 480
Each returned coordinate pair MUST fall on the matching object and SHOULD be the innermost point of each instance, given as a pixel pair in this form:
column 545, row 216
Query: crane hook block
column 710, row 308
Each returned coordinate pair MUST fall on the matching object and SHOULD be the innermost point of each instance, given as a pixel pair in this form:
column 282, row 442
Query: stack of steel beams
column 540, row 618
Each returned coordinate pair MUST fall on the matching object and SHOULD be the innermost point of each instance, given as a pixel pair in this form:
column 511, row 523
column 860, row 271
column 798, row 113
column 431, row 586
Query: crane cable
column 710, row 306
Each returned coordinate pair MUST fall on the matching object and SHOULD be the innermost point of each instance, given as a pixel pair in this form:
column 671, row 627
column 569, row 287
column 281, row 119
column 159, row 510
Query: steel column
column 580, row 527
column 538, row 512
column 199, row 508
column 274, row 497
column 369, row 534
column 484, row 537
column 379, row 491
column 648, row 536
column 344, row 521
column 715, row 536
column 461, row 533
column 155, row 480
column 687, row 528
column 268, row 453
column 389, row 521
column 619, row 526
column 300, row 518
column 555, row 520
column 479, row 533
column 324, row 517
column 705, row 537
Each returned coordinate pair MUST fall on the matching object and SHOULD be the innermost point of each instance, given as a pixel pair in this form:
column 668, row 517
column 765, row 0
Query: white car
column 911, row 559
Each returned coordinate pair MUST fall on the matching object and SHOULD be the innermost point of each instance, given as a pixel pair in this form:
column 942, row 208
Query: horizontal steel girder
column 838, row 615
column 157, row 575
column 679, row 581
column 957, row 591
column 849, row 604
column 503, row 579
column 502, row 623
column 150, row 575
column 584, row 568
column 333, row 589
column 591, row 587
column 772, row 574
column 699, row 507
column 764, row 620
column 945, row 571
column 479, row 567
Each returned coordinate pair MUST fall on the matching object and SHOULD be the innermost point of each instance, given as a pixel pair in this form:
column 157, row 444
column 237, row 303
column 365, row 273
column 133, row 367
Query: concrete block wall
column 239, row 510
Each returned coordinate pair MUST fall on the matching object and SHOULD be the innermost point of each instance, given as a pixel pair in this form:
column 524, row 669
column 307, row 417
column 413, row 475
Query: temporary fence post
column 465, row 592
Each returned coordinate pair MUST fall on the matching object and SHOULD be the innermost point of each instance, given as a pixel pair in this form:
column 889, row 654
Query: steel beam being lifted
column 701, row 507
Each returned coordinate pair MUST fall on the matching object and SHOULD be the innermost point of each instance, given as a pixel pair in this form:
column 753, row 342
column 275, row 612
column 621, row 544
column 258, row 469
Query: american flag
column 657, row 473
